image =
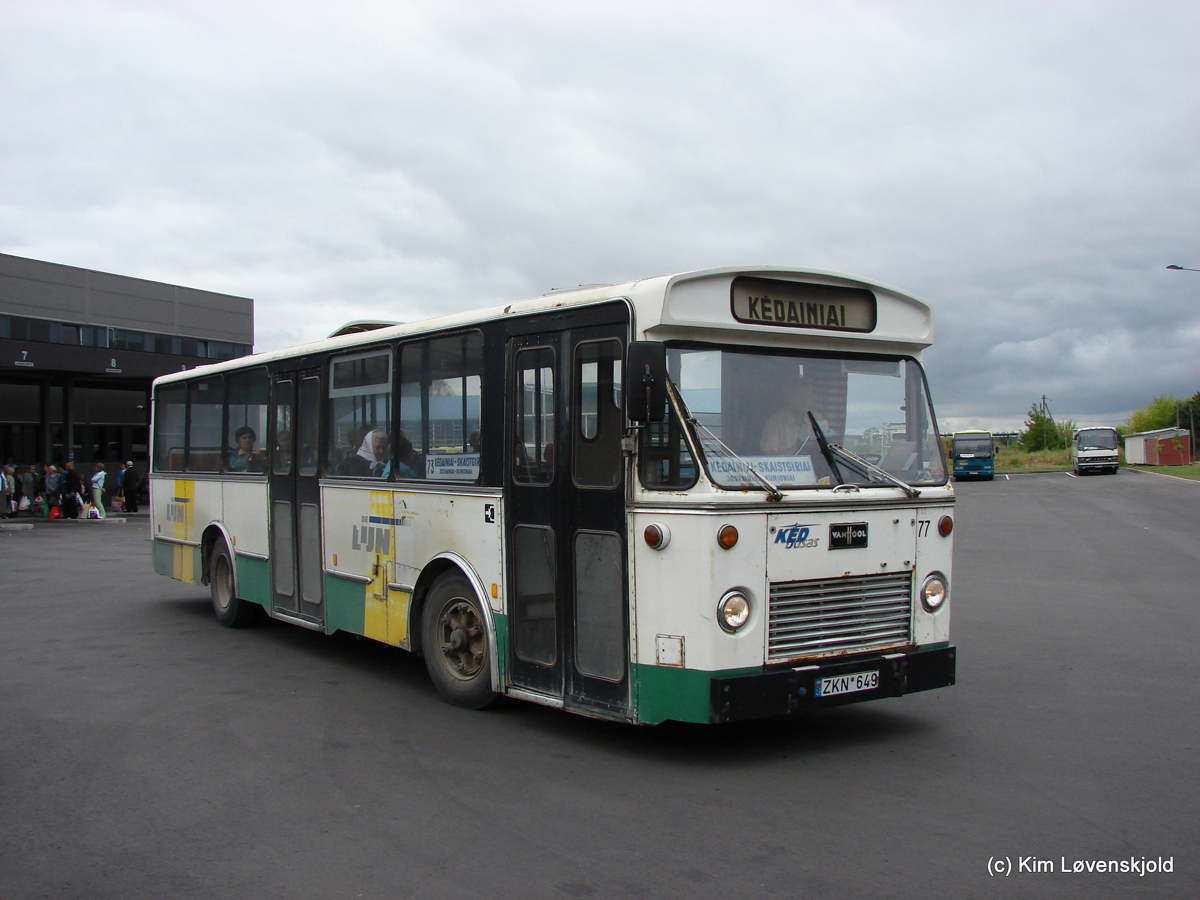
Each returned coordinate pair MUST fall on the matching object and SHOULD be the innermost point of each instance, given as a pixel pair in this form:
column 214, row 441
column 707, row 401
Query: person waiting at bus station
column 72, row 484
column 246, row 458
column 130, row 485
column 372, row 458
column 98, row 478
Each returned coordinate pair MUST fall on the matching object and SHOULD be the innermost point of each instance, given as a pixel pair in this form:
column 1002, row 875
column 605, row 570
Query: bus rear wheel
column 454, row 638
column 231, row 611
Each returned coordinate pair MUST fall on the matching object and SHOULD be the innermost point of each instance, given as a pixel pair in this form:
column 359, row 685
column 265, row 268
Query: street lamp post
column 1183, row 269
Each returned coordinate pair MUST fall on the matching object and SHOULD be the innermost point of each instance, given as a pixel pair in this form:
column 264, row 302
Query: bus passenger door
column 296, row 561
column 565, row 484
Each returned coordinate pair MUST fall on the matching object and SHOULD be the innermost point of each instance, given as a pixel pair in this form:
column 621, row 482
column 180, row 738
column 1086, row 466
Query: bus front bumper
column 777, row 692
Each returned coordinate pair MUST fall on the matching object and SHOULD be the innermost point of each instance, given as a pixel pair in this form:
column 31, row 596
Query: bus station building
column 79, row 349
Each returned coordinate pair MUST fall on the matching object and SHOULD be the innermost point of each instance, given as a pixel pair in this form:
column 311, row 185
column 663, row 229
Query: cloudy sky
column 1029, row 168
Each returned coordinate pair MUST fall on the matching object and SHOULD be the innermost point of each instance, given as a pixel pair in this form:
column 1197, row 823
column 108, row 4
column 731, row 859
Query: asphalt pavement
column 146, row 752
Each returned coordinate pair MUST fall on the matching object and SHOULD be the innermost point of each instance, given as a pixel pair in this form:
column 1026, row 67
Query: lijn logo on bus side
column 177, row 509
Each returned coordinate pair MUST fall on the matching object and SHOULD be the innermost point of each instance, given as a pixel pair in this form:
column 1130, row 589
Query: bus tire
column 454, row 637
column 231, row 611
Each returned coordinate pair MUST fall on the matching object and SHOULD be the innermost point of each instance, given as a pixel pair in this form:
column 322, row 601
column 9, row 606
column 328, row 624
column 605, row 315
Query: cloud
column 1029, row 168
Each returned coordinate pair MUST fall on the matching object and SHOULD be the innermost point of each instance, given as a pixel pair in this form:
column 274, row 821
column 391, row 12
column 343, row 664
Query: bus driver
column 788, row 431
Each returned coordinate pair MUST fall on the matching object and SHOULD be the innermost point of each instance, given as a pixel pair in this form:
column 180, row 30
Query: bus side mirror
column 646, row 381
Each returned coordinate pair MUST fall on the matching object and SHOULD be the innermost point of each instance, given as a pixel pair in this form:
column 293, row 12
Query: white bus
column 703, row 497
column 1095, row 449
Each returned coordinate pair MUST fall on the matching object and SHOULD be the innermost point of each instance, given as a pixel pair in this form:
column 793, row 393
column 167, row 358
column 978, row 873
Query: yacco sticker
column 796, row 537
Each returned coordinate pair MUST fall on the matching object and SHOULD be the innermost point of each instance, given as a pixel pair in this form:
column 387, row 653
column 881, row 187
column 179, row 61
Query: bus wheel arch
column 455, row 634
column 220, row 574
column 213, row 537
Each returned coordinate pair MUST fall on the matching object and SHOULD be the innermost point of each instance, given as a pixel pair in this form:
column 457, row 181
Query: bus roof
column 693, row 305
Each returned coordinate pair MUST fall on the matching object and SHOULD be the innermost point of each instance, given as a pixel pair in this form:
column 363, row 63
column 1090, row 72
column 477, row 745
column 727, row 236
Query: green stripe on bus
column 681, row 695
column 501, row 645
column 345, row 605
column 164, row 559
column 254, row 580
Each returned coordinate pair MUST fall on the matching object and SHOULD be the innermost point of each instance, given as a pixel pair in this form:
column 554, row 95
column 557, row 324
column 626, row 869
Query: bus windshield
column 754, row 407
column 1099, row 439
column 976, row 446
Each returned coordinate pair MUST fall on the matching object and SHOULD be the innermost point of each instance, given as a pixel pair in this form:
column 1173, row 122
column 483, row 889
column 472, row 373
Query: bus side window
column 441, row 385
column 533, row 425
column 246, row 395
column 598, row 421
column 664, row 460
column 281, row 453
column 308, row 434
column 360, row 415
column 206, row 403
column 170, row 427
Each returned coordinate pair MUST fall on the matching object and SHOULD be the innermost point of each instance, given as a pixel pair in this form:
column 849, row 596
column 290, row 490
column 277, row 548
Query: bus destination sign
column 798, row 304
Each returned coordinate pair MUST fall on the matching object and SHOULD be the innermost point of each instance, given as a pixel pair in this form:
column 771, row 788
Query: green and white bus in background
column 702, row 497
column 974, row 454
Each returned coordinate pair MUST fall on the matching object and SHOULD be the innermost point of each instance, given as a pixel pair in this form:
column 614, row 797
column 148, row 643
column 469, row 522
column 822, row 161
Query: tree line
column 1042, row 432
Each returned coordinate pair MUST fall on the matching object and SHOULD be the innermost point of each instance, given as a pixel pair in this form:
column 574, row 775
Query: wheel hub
column 463, row 639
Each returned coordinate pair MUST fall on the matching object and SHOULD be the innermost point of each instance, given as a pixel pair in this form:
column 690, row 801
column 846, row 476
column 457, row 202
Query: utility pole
column 1045, row 418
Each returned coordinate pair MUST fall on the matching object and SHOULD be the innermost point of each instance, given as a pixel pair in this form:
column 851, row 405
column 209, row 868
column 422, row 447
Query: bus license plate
column 848, row 684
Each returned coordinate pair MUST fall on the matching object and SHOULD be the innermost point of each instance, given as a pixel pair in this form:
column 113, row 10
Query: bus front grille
column 829, row 616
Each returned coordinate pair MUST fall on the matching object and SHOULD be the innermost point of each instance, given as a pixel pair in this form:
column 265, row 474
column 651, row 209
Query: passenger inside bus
column 406, row 457
column 245, row 458
column 348, row 452
column 283, row 452
column 372, row 458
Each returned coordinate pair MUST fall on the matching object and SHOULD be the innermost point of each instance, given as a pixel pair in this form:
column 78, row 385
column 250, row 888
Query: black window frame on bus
column 351, row 384
column 208, row 459
column 257, row 464
column 170, row 419
column 597, row 414
column 441, row 359
column 534, row 403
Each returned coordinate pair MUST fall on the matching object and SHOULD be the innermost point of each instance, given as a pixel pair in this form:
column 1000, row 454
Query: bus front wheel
column 455, row 641
column 231, row 612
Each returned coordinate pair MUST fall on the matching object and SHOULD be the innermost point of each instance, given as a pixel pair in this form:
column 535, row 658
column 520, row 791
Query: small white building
column 1163, row 447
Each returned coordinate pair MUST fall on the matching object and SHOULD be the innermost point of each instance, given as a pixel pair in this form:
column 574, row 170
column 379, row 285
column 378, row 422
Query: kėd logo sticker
column 796, row 537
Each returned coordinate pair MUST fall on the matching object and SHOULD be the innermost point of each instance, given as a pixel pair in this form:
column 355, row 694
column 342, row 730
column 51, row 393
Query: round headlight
column 733, row 611
column 934, row 592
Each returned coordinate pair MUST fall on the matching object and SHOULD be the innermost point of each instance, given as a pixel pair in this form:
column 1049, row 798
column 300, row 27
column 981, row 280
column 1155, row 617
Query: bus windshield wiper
column 773, row 493
column 869, row 468
column 826, row 448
